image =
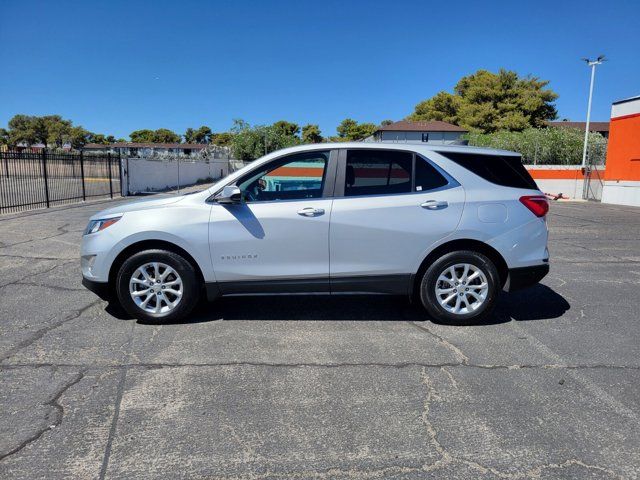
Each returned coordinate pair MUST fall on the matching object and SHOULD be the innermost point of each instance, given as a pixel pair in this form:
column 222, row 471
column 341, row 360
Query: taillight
column 538, row 204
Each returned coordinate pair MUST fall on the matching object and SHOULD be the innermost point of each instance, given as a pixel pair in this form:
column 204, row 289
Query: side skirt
column 399, row 284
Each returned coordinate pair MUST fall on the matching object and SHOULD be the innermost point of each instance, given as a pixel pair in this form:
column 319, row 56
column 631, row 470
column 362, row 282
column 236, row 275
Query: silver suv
column 450, row 226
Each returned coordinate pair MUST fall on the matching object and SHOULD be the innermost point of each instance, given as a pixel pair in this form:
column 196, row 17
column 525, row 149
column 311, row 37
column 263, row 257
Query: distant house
column 600, row 127
column 434, row 132
column 132, row 149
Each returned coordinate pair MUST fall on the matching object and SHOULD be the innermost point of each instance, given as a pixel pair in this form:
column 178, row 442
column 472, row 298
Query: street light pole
column 592, row 64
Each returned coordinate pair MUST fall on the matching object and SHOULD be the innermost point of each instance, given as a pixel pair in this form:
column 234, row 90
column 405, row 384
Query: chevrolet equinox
column 450, row 226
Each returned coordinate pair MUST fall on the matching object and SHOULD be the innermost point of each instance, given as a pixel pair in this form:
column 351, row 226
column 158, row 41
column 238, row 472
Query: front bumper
column 101, row 289
column 524, row 277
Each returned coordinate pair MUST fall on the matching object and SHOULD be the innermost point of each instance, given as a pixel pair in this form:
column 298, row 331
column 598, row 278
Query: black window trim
column 342, row 169
column 329, row 177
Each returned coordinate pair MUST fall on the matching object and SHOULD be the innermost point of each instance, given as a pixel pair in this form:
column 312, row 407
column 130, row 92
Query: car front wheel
column 158, row 286
column 460, row 288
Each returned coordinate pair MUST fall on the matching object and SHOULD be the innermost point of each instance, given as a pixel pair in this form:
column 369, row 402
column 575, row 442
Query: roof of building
column 184, row 146
column 430, row 126
column 593, row 126
column 626, row 100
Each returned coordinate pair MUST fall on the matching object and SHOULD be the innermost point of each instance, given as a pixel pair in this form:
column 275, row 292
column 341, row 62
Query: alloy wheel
column 156, row 288
column 461, row 288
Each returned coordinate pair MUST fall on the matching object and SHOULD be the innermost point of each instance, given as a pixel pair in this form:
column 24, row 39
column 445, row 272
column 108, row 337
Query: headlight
column 100, row 224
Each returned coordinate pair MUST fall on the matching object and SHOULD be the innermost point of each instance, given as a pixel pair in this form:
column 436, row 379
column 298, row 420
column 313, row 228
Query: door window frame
column 328, row 188
column 340, row 182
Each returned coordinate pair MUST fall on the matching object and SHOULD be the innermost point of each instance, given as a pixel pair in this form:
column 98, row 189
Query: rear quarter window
column 504, row 170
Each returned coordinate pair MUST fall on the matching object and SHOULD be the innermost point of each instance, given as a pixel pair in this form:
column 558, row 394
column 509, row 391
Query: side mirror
column 230, row 194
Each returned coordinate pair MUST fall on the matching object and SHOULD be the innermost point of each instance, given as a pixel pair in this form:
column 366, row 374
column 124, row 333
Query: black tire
column 429, row 281
column 191, row 286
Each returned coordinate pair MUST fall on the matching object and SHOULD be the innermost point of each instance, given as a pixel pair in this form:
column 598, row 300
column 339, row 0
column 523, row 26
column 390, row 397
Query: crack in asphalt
column 400, row 365
column 28, row 257
column 447, row 458
column 116, row 409
column 51, row 287
column 114, row 424
column 464, row 360
column 44, row 330
column 42, row 272
column 54, row 403
column 62, row 230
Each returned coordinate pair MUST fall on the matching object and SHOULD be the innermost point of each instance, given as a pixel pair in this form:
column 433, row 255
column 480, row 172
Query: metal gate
column 32, row 179
column 594, row 175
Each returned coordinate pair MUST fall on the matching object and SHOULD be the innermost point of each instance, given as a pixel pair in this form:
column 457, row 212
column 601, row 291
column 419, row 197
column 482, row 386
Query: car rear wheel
column 158, row 286
column 460, row 288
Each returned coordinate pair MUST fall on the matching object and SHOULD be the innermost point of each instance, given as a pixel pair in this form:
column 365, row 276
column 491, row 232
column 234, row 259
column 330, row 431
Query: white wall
column 568, row 187
column 621, row 193
column 151, row 175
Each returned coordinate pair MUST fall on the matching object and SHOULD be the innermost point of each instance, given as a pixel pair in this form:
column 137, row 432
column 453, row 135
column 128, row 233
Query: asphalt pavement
column 300, row 387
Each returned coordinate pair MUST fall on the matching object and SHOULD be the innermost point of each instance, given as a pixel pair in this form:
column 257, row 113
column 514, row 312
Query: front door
column 390, row 207
column 278, row 237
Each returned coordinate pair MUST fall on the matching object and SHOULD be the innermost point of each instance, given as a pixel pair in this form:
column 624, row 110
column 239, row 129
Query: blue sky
column 117, row 66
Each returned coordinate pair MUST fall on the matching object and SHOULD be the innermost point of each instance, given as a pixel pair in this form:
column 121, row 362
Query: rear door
column 390, row 207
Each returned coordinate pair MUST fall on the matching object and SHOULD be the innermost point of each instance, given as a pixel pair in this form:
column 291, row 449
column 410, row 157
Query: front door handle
column 311, row 212
column 434, row 204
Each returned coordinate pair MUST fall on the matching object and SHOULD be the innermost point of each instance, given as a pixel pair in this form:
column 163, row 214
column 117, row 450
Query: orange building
column 622, row 173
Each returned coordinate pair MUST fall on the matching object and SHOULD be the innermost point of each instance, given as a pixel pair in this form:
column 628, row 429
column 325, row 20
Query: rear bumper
column 101, row 289
column 525, row 277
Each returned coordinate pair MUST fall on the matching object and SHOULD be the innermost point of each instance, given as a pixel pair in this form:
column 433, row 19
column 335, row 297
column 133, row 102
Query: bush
column 249, row 143
column 545, row 146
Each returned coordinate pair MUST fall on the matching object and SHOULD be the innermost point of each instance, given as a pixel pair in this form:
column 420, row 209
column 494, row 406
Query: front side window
column 294, row 177
column 378, row 172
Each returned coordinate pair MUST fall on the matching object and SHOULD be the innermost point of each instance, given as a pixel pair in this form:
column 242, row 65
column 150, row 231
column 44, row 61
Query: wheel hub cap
column 461, row 288
column 156, row 288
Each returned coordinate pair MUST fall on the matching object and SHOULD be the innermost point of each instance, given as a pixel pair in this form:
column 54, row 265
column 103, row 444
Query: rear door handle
column 434, row 204
column 311, row 212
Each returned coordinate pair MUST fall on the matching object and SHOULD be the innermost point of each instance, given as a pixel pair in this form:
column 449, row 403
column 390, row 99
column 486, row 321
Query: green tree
column 98, row 138
column 384, row 123
column 350, row 130
column 346, row 127
column 202, row 135
column 25, row 129
column 489, row 102
column 443, row 106
column 4, row 137
column 142, row 136
column 311, row 134
column 222, row 139
column 78, row 137
column 249, row 143
column 287, row 128
column 55, row 129
column 188, row 135
column 50, row 130
column 164, row 135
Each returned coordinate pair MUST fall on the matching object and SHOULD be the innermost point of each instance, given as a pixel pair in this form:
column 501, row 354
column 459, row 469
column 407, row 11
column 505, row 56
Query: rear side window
column 377, row 172
column 427, row 177
column 385, row 172
column 502, row 170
